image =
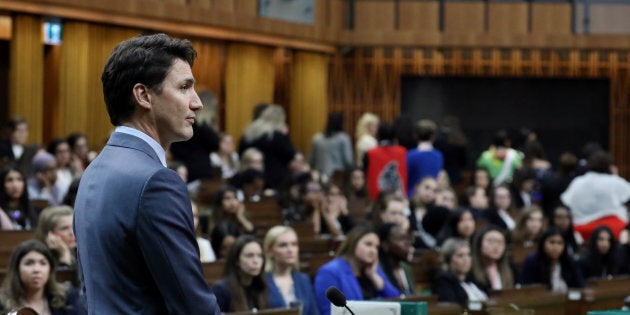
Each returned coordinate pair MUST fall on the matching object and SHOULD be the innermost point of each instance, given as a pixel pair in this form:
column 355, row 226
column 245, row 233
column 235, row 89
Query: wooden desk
column 601, row 295
column 536, row 297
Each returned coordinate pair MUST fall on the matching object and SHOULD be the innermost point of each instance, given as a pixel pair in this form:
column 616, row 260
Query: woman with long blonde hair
column 269, row 134
column 365, row 134
column 287, row 286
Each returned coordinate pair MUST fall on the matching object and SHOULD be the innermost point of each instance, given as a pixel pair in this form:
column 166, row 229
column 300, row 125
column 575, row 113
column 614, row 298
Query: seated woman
column 331, row 217
column 287, row 286
column 461, row 224
column 491, row 268
column 355, row 271
column 395, row 253
column 551, row 264
column 359, row 204
column 529, row 227
column 562, row 220
column 454, row 283
column 225, row 158
column 55, row 230
column 243, row 287
column 30, row 282
column 601, row 259
column 17, row 213
column 229, row 210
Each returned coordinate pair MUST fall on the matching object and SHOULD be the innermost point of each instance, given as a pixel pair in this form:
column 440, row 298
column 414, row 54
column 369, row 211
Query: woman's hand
column 57, row 244
column 371, row 271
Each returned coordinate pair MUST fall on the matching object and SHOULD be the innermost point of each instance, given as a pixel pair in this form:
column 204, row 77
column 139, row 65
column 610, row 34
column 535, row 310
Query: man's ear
column 142, row 96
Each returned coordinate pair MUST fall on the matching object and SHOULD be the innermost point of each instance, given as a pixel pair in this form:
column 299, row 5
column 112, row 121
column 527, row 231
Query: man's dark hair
column 334, row 123
column 600, row 162
column 385, row 132
column 144, row 59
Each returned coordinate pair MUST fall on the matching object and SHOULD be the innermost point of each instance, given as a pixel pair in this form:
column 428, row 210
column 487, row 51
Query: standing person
column 424, row 160
column 386, row 164
column 365, row 136
column 133, row 221
column 287, row 286
column 599, row 197
column 331, row 150
column 500, row 159
column 195, row 152
column 270, row 134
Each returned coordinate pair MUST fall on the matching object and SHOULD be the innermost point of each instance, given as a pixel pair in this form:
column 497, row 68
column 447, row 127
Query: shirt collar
column 154, row 144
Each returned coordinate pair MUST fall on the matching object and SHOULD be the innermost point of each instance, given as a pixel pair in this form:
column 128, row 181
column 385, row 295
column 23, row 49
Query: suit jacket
column 338, row 272
column 303, row 292
column 448, row 288
column 134, row 228
column 24, row 163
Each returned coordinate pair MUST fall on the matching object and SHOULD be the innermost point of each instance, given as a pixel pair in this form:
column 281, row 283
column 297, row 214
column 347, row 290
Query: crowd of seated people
column 510, row 201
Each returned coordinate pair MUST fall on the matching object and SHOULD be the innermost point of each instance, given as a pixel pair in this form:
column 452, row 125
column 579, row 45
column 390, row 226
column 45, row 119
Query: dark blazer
column 24, row 163
column 536, row 272
column 195, row 153
column 136, row 243
column 448, row 289
column 278, row 151
column 303, row 292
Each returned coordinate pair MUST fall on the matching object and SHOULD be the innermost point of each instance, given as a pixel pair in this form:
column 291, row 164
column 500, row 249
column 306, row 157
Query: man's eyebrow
column 189, row 81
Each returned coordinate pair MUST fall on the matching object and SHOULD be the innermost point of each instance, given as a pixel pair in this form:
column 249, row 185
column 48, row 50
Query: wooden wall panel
column 5, row 27
column 249, row 77
column 52, row 59
column 551, row 18
column 223, row 5
column 374, row 15
column 308, row 108
column 209, row 70
column 337, row 11
column 464, row 17
column 419, row 16
column 26, row 83
column 246, row 7
column 84, row 52
column 368, row 80
column 609, row 18
column 507, row 18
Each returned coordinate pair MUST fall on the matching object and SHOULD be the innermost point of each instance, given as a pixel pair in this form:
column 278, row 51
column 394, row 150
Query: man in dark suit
column 14, row 150
column 133, row 219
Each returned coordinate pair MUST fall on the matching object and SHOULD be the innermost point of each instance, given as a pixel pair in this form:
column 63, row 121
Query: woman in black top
column 601, row 258
column 243, row 287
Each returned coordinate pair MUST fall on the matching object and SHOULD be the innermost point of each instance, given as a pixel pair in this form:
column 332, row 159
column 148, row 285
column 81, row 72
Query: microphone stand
column 349, row 310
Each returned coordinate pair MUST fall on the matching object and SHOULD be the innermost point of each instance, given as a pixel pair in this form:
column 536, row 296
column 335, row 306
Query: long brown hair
column 233, row 277
column 478, row 265
column 13, row 291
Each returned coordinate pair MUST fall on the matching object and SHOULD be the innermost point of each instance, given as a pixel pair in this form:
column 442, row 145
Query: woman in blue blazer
column 287, row 286
column 355, row 271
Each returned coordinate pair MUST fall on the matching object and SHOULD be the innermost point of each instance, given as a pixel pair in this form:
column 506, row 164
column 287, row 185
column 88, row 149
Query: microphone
column 337, row 298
